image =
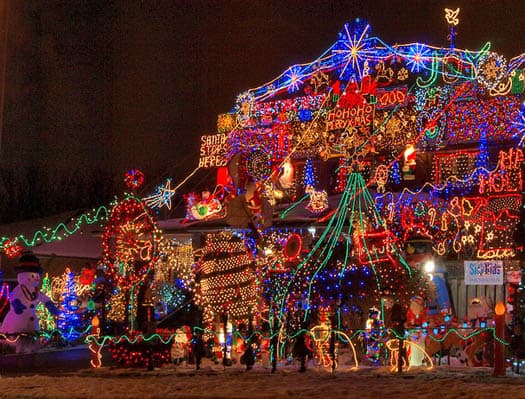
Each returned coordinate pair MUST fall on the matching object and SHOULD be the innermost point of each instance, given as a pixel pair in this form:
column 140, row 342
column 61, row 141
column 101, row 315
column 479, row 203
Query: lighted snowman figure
column 21, row 322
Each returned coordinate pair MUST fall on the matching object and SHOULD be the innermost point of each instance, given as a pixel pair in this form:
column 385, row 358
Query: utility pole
column 4, row 21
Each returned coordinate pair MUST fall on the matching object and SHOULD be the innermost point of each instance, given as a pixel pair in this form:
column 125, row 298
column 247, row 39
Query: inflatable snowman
column 21, row 322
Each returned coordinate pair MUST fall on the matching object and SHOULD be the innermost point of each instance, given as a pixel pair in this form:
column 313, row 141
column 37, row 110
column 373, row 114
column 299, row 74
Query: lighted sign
column 483, row 272
column 213, row 151
column 387, row 99
column 343, row 118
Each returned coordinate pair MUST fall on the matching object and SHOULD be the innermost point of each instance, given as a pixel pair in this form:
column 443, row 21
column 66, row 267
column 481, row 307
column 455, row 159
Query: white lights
column 429, row 266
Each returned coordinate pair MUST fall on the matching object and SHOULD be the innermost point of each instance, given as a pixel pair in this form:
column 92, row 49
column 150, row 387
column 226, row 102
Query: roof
column 55, row 237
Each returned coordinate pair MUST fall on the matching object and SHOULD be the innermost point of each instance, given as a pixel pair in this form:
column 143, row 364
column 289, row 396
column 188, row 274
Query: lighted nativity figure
column 20, row 325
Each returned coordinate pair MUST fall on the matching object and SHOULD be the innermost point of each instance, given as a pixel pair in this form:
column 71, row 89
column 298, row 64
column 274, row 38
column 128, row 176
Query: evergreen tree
column 70, row 319
column 45, row 318
column 309, row 178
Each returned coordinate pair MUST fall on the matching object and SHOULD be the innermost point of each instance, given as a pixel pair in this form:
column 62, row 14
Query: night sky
column 97, row 87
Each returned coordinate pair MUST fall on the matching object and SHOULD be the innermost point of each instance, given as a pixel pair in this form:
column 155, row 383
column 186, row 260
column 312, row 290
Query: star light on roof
column 294, row 78
column 162, row 197
column 353, row 47
column 418, row 57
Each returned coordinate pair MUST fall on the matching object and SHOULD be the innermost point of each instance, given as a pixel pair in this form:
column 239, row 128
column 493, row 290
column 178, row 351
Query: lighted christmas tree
column 226, row 277
column 45, row 318
column 355, row 263
column 482, row 161
column 395, row 174
column 70, row 319
column 309, row 178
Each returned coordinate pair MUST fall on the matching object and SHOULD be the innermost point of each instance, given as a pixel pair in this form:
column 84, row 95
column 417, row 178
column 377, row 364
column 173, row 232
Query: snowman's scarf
column 30, row 296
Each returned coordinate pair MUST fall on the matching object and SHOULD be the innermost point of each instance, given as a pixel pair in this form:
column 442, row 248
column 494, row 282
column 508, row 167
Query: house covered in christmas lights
column 374, row 160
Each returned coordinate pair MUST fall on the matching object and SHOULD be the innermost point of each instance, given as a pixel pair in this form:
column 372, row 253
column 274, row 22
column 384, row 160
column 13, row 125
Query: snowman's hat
column 28, row 263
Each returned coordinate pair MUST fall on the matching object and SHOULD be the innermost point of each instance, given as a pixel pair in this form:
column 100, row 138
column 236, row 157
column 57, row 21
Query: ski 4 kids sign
column 483, row 272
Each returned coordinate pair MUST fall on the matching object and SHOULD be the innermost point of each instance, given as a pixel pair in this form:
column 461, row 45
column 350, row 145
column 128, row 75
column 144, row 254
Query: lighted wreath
column 491, row 69
column 11, row 249
column 134, row 179
column 130, row 243
column 258, row 164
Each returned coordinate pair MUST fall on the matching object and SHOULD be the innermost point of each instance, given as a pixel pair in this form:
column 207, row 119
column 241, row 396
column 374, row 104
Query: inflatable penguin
column 21, row 323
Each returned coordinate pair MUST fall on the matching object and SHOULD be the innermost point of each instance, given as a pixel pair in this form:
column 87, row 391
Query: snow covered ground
column 213, row 381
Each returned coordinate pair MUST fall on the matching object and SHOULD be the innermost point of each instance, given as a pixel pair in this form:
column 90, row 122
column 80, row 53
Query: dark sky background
column 96, row 87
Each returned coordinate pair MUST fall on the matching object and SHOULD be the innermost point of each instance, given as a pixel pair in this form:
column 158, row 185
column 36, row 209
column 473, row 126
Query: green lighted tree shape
column 45, row 319
column 366, row 241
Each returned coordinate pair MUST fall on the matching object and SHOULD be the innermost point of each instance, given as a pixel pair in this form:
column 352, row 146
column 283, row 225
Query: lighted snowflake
column 294, row 78
column 162, row 197
column 354, row 148
column 354, row 48
column 418, row 57
column 402, row 74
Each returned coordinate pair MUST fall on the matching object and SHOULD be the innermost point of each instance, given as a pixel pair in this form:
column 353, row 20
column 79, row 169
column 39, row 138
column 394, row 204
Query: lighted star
column 419, row 55
column 162, row 197
column 477, row 228
column 354, row 49
column 294, row 79
column 452, row 16
column 490, row 236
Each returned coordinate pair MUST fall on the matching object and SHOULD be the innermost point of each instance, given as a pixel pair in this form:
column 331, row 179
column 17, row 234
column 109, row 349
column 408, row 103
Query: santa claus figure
column 20, row 325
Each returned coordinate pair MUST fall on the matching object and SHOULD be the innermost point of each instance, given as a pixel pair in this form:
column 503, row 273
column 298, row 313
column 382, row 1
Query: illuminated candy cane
column 390, row 212
column 432, row 212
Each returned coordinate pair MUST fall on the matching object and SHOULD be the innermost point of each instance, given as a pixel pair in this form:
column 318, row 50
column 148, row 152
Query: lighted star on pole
column 162, row 197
